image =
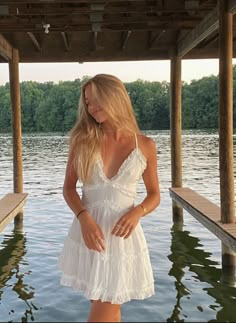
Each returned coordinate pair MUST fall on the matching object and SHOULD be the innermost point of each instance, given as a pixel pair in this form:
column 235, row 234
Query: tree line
column 53, row 107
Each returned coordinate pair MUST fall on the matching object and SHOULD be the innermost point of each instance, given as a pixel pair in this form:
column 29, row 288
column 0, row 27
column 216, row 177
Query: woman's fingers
column 100, row 243
column 118, row 229
column 122, row 230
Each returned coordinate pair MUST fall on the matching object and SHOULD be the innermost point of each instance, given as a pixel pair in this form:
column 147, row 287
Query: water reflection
column 11, row 256
column 187, row 256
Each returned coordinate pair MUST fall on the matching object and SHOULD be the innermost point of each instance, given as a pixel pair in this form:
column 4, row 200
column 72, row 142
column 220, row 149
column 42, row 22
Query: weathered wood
column 34, row 41
column 232, row 6
column 226, row 114
column 10, row 206
column 154, row 38
column 175, row 126
column 125, row 39
column 205, row 28
column 228, row 259
column 113, row 20
column 16, row 123
column 5, row 49
column 65, row 41
column 197, row 206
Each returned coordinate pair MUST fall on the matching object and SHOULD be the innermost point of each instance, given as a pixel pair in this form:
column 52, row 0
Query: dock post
column 226, row 134
column 16, row 125
column 176, row 127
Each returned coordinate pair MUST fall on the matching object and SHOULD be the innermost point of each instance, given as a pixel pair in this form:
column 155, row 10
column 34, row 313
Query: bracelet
column 81, row 211
column 143, row 207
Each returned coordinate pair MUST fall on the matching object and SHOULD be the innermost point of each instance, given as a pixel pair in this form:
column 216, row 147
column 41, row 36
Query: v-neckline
column 121, row 166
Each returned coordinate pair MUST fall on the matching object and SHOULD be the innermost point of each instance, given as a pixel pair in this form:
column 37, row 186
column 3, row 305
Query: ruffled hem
column 104, row 295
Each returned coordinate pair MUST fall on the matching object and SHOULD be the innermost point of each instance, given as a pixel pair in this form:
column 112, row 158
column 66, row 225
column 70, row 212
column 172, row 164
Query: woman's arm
column 70, row 194
column 92, row 233
column 150, row 178
column 128, row 221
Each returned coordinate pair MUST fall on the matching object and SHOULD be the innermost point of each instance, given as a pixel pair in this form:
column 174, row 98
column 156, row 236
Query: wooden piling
column 176, row 126
column 226, row 134
column 226, row 114
column 16, row 124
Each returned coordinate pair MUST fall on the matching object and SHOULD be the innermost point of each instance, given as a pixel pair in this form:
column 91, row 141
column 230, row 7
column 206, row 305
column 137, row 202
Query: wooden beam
column 152, row 38
column 205, row 28
column 68, row 8
column 65, row 41
column 125, row 39
column 5, row 49
column 95, row 40
column 34, row 41
column 170, row 5
column 232, row 6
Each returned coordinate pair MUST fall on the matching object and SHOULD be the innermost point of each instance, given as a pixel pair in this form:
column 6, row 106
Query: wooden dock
column 10, row 205
column 206, row 213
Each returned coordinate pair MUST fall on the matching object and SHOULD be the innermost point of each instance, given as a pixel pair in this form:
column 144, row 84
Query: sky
column 126, row 71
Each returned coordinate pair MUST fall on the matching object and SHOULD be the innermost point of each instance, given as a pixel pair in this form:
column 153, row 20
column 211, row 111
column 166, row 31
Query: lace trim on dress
column 115, row 185
column 106, row 203
column 120, row 171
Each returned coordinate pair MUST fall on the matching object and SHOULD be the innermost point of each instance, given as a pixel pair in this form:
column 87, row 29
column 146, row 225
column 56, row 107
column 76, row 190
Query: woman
column 105, row 253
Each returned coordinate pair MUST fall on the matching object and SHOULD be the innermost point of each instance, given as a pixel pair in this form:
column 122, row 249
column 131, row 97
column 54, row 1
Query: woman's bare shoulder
column 146, row 144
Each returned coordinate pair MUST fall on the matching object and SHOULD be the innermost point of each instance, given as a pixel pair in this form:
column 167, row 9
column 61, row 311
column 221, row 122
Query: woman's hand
column 126, row 224
column 92, row 233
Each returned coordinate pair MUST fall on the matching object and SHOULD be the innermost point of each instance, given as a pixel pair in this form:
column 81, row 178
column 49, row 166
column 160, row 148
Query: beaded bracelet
column 81, row 211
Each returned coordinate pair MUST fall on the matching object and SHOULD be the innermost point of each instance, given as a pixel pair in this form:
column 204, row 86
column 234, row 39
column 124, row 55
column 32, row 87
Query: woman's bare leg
column 104, row 312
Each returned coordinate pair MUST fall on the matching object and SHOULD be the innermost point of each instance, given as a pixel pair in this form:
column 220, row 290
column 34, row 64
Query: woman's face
column 96, row 111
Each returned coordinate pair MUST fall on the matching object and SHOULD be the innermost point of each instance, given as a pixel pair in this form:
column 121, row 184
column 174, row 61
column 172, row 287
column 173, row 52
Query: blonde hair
column 86, row 135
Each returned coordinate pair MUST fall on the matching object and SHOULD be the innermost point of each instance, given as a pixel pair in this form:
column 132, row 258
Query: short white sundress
column 123, row 271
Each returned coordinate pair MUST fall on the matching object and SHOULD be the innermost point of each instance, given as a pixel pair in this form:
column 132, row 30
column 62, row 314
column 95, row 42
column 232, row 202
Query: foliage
column 49, row 107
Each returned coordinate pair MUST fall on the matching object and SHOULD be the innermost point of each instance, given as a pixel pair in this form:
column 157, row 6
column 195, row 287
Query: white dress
column 123, row 271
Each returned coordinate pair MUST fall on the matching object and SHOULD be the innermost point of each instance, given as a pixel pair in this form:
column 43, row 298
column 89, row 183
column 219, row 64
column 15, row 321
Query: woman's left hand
column 126, row 225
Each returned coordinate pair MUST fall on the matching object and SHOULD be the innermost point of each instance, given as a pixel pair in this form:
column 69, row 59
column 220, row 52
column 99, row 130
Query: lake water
column 186, row 261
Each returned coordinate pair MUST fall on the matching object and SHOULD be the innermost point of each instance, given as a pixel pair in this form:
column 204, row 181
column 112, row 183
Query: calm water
column 186, row 261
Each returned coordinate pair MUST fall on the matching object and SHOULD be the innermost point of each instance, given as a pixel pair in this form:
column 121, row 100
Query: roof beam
column 5, row 49
column 65, row 41
column 205, row 28
column 153, row 38
column 232, row 6
column 34, row 41
column 125, row 39
column 95, row 40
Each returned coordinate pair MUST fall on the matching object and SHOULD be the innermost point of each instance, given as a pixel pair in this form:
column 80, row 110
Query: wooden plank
column 225, row 232
column 205, row 28
column 10, row 205
column 5, row 49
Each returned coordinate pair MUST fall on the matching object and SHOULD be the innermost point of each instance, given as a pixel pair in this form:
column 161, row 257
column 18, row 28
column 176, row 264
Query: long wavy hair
column 86, row 135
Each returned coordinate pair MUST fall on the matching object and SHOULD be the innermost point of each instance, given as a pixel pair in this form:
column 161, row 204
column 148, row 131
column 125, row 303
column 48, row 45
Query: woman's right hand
column 92, row 233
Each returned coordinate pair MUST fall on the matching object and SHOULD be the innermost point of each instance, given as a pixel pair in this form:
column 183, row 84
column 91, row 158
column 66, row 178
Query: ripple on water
column 186, row 258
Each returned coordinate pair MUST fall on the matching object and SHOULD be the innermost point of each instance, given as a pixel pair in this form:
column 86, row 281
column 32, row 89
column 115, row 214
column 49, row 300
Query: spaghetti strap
column 136, row 140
